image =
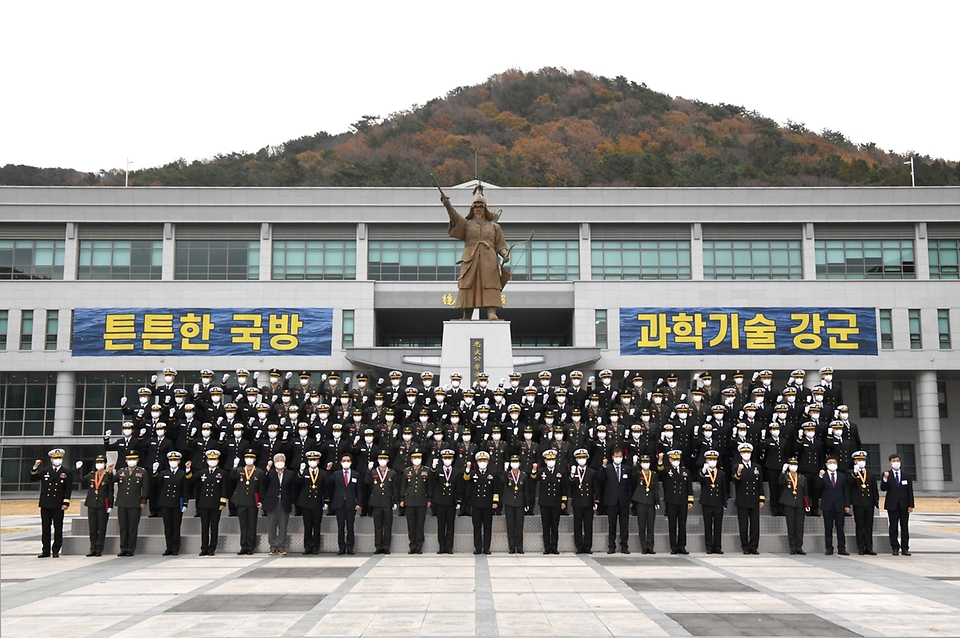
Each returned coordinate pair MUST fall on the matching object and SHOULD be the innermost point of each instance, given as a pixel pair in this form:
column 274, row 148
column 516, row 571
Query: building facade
column 379, row 263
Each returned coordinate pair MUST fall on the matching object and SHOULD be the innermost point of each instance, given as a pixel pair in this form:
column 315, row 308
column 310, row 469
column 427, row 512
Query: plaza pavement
column 497, row 595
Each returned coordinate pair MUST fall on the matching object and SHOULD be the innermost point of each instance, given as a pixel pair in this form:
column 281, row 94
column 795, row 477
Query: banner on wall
column 729, row 331
column 218, row 332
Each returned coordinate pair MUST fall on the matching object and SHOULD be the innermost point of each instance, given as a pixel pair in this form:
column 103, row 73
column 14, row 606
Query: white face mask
column 378, row 402
column 576, row 418
column 127, row 432
column 832, row 467
column 272, row 435
column 550, row 464
column 285, row 399
column 861, row 464
column 794, row 468
column 751, row 414
column 204, row 433
column 179, row 400
column 601, row 435
column 383, row 462
column 581, row 462
column 155, row 415
column 438, row 437
column 482, row 465
column 775, row 433
column 675, row 463
column 174, row 465
column 708, row 434
column 279, row 465
column 645, row 465
column 745, row 457
column 558, row 436
column 672, row 384
column 455, row 384
column 313, row 463
column 143, row 400
column 838, row 433
column 306, row 382
column 315, row 400
column 697, row 398
column 658, row 400
column 337, row 434
column 189, row 414
column 766, row 382
column 333, row 382
column 407, row 437
column 707, row 383
column 131, row 463
column 168, row 378
column 528, row 435
column 514, row 465
column 248, row 461
column 668, row 435
column 274, row 380
column 483, row 384
column 231, row 415
column 303, row 433
column 496, row 437
column 56, row 462
column 345, row 465
column 711, row 464
column 455, row 420
column 636, row 436
column 368, row 440
column 645, row 419
column 467, row 438
column 738, row 380
column 161, row 433
column 895, row 465
column 827, row 378
column 212, row 463
column 447, row 462
column 416, row 462
column 617, row 460
column 514, row 384
column 424, row 419
column 100, row 466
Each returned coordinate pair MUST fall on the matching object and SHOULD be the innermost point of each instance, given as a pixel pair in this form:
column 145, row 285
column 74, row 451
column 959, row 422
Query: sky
column 89, row 85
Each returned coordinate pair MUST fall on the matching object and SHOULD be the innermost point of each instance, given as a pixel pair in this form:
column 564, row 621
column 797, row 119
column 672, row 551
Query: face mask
column 767, row 382
column 645, row 419
column 155, row 415
column 467, row 438
column 576, row 418
column 174, row 465
column 455, row 420
column 793, row 468
column 368, row 440
column 205, row 434
column 668, row 435
column 279, row 465
column 337, row 434
column 131, row 464
column 303, row 433
column 708, row 434
column 601, row 435
column 496, row 437
column 672, row 384
column 345, row 465
column 751, row 414
column 334, row 382
column 168, row 379
column 447, row 462
column 675, row 463
column 248, row 461
column 56, row 462
column 272, row 435
column 143, row 400
column 645, row 465
column 791, row 398
column 482, row 465
column 515, row 465
column 809, row 434
column 378, row 402
column 775, row 432
column 212, row 463
column 390, row 418
column 416, row 462
column 528, row 435
column 550, row 464
column 711, row 464
column 895, row 465
column 306, row 382
column 313, row 463
column 189, row 414
column 745, row 457
column 127, row 432
column 594, row 404
column 827, row 378
column 549, row 421
column 274, row 380
column 483, row 384
column 617, row 460
column 100, row 466
column 455, row 384
column 383, row 462
column 179, row 400
column 514, row 384
column 638, row 384
column 315, row 400
column 697, row 398
column 614, row 418
column 658, row 400
column 832, row 467
column 160, row 433
column 837, row 433
column 861, row 464
column 424, row 419
column 438, row 437
column 707, row 383
column 636, row 436
column 285, row 399
column 581, row 462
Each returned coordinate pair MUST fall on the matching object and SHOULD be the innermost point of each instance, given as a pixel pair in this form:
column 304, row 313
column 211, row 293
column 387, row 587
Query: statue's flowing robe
column 479, row 282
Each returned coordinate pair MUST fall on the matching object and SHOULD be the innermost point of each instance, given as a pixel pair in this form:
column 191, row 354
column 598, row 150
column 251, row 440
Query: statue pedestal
column 471, row 347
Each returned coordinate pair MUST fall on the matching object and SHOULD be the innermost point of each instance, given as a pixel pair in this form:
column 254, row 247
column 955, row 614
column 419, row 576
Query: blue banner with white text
column 104, row 332
column 727, row 331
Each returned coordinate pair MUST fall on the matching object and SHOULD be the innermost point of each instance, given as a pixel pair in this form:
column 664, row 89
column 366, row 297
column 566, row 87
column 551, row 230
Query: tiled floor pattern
column 464, row 595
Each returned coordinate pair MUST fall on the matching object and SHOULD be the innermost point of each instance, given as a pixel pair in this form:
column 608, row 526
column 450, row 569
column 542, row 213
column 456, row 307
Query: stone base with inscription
column 471, row 347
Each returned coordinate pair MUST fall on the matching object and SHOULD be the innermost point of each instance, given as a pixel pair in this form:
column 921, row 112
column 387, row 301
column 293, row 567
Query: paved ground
column 498, row 595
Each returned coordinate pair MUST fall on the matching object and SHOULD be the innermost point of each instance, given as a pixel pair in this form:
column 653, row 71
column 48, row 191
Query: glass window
column 120, row 259
column 873, row 457
column 916, row 334
column 97, row 403
column 348, row 323
column 942, row 398
column 31, row 259
column 865, row 259
column 330, row 260
column 53, row 322
column 908, row 459
column 752, row 260
column 902, row 399
column 886, row 329
column 867, row 393
column 18, row 460
column 26, row 329
column 4, row 323
column 27, row 401
column 425, row 260
column 944, row 258
column 545, row 261
column 640, row 260
column 947, row 462
column 943, row 327
column 601, row 321
column 217, row 259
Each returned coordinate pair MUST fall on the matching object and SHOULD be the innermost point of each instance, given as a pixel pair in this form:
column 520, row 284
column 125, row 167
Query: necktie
column 346, row 478
column 833, row 479
column 896, row 475
column 618, row 474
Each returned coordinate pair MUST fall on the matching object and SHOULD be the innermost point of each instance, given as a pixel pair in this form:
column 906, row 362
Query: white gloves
column 303, row 466
column 156, row 466
column 409, row 381
column 143, row 431
column 325, row 506
column 196, row 389
column 236, row 461
column 786, row 466
column 435, row 461
column 183, row 509
column 626, row 374
column 219, row 420
column 380, row 381
column 123, row 401
column 225, row 377
column 166, row 399
column 256, row 375
column 370, row 465
column 79, row 464
column 288, row 375
column 107, row 434
column 153, row 379
column 590, row 380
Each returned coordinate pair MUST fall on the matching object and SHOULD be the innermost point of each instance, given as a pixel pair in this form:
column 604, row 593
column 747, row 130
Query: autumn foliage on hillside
column 549, row 128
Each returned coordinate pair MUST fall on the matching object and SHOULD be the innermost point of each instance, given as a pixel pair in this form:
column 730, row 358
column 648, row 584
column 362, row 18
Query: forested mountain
column 549, row 128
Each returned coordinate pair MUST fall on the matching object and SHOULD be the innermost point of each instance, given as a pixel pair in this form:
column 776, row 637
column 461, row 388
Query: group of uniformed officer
column 481, row 450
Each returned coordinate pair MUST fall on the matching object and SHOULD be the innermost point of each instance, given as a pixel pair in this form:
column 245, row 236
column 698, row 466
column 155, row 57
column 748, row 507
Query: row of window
column 436, row 260
column 916, row 332
column 27, row 321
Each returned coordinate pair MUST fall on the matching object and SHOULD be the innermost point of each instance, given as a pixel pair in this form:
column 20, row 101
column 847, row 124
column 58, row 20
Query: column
column 928, row 423
column 266, row 252
column 809, row 252
column 64, row 406
column 71, row 253
column 169, row 252
column 921, row 252
column 362, row 252
column 696, row 251
column 586, row 253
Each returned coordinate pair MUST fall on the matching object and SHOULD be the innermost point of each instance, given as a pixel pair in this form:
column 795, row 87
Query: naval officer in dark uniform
column 211, row 496
column 552, row 498
column 382, row 488
column 311, row 500
column 482, row 493
column 55, row 489
column 713, row 500
column 246, row 496
column 446, row 492
column 750, row 498
column 172, row 499
column 646, row 501
column 516, row 488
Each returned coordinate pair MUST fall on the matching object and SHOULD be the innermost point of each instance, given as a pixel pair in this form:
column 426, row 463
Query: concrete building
column 381, row 261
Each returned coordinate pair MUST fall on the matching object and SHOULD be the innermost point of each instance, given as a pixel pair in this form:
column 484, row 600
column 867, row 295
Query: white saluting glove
column 156, row 466
column 123, row 401
column 196, row 389
column 153, row 379
column 107, row 434
column 225, row 377
column 79, row 464
column 236, row 461
column 288, row 376
column 256, row 375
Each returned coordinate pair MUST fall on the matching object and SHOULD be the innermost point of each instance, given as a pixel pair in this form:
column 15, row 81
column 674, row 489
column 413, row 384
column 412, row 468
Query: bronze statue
column 482, row 277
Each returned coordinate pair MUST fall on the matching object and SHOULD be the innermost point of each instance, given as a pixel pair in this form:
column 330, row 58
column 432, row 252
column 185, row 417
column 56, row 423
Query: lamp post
column 913, row 178
column 126, row 175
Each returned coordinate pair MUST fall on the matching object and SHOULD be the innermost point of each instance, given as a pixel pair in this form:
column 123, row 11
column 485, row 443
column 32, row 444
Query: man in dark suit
column 345, row 502
column 834, row 505
column 615, row 487
column 899, row 504
column 279, row 495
